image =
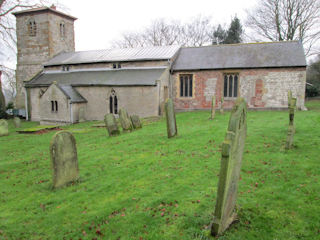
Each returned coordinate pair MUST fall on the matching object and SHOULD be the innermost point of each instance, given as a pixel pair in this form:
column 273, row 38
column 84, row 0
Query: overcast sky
column 100, row 22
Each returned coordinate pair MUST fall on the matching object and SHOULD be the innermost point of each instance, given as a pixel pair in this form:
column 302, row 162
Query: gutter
column 71, row 115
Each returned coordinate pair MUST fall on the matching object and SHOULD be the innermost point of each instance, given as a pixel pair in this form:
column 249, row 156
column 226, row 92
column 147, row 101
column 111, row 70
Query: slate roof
column 239, row 56
column 72, row 94
column 120, row 77
column 114, row 55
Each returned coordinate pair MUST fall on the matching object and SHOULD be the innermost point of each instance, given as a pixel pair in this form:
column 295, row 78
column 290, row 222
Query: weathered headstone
column 4, row 130
column 63, row 153
column 289, row 97
column 291, row 129
column 136, row 123
column 171, row 118
column 125, row 121
column 232, row 151
column 17, row 122
column 221, row 105
column 81, row 115
column 111, row 124
column 213, row 107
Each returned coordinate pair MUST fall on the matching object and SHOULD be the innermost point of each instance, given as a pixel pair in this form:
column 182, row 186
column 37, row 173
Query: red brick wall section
column 260, row 87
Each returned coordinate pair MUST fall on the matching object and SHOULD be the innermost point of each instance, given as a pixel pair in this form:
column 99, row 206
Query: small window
column 230, row 85
column 116, row 65
column 54, row 106
column 32, row 28
column 62, row 30
column 186, row 85
column 113, row 102
column 65, row 68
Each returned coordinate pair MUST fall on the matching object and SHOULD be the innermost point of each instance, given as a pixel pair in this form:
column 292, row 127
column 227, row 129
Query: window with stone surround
column 186, row 85
column 113, row 102
column 230, row 85
column 54, row 106
column 32, row 28
column 62, row 30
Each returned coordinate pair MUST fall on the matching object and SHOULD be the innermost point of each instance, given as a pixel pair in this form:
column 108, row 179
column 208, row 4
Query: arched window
column 32, row 28
column 113, row 102
column 62, row 30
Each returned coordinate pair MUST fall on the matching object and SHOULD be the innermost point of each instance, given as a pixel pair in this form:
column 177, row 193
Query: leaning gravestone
column 232, row 151
column 17, row 122
column 111, row 124
column 291, row 129
column 221, row 105
column 136, row 123
column 125, row 121
column 213, row 107
column 81, row 115
column 4, row 130
column 63, row 153
column 171, row 118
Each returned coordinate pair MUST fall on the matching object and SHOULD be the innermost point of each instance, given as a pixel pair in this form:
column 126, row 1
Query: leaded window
column 113, row 102
column 230, row 85
column 186, row 85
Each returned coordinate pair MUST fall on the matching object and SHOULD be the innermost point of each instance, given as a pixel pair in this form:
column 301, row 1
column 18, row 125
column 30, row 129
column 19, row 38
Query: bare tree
column 161, row 32
column 280, row 20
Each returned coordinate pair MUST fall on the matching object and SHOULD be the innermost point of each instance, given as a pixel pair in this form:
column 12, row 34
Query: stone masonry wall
column 261, row 88
column 34, row 51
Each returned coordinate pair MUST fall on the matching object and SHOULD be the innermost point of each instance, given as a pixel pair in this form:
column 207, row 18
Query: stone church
column 54, row 81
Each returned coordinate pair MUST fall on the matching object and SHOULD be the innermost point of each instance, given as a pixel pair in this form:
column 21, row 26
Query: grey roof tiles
column 233, row 56
column 121, row 77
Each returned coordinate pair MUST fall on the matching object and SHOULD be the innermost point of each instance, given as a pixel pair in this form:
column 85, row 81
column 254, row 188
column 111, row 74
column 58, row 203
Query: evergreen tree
column 234, row 33
column 219, row 35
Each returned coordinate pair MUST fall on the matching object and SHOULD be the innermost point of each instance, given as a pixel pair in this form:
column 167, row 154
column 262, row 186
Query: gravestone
column 17, row 122
column 232, row 151
column 291, row 129
column 63, row 153
column 111, row 124
column 213, row 107
column 221, row 105
column 171, row 118
column 289, row 97
column 136, row 123
column 125, row 121
column 4, row 130
column 81, row 115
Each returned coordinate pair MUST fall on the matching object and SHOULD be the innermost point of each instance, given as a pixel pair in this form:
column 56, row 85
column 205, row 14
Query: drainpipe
column 159, row 104
column 26, row 103
column 71, row 115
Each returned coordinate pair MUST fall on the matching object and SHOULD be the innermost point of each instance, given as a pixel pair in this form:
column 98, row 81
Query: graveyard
column 150, row 183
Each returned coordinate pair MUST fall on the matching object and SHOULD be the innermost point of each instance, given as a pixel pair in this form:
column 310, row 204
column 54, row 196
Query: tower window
column 32, row 28
column 116, row 65
column 65, row 68
column 62, row 30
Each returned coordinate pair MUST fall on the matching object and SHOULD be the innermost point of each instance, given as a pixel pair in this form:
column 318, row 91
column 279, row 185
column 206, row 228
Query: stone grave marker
column 81, row 115
column 171, row 118
column 136, row 123
column 4, row 130
column 125, row 121
column 231, row 158
column 17, row 122
column 221, row 105
column 111, row 124
column 291, row 129
column 213, row 107
column 63, row 153
column 289, row 97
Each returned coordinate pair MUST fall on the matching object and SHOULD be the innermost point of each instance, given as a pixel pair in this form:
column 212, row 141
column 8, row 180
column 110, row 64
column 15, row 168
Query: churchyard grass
column 142, row 185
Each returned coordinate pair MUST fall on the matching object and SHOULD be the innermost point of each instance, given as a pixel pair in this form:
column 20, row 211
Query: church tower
column 41, row 34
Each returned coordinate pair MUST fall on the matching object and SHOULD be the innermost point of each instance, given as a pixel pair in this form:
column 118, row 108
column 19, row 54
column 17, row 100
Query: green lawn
column 141, row 185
